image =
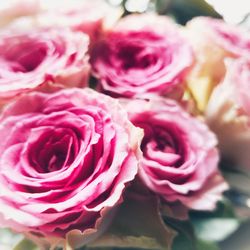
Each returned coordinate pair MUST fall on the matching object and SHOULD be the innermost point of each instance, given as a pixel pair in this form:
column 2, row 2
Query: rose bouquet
column 115, row 129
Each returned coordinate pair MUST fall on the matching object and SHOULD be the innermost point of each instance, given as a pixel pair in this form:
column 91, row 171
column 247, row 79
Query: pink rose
column 228, row 114
column 66, row 158
column 180, row 159
column 90, row 17
column 138, row 59
column 234, row 40
column 32, row 59
column 213, row 40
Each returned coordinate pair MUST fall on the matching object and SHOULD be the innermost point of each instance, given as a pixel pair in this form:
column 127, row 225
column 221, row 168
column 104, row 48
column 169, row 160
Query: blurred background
column 237, row 12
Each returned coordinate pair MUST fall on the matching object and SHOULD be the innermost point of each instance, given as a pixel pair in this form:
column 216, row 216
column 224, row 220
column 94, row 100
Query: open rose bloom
column 42, row 59
column 65, row 161
column 135, row 58
column 180, row 160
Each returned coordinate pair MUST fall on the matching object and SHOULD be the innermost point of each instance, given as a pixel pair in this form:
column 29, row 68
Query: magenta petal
column 179, row 152
column 66, row 158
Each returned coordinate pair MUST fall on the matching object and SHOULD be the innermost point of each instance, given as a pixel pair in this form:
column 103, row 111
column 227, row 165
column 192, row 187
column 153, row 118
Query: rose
column 180, row 159
column 37, row 58
column 228, row 114
column 90, row 17
column 234, row 40
column 66, row 158
column 212, row 44
column 12, row 9
column 138, row 59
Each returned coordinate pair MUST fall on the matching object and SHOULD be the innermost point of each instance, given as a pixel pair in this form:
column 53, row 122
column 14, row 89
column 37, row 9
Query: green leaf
column 137, row 225
column 184, row 10
column 181, row 242
column 9, row 239
column 185, row 240
column 217, row 225
column 238, row 180
column 239, row 193
column 162, row 6
column 206, row 245
column 216, row 229
column 26, row 244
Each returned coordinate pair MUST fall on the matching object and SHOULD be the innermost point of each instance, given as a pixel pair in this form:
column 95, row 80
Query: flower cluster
column 167, row 103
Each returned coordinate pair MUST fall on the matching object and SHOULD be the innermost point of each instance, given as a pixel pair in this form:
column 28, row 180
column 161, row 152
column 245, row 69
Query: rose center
column 23, row 56
column 53, row 152
column 133, row 57
column 55, row 162
column 163, row 144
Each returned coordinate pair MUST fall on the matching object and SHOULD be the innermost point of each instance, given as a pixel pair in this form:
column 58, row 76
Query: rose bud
column 36, row 59
column 228, row 114
column 65, row 160
column 180, row 158
column 150, row 56
column 213, row 40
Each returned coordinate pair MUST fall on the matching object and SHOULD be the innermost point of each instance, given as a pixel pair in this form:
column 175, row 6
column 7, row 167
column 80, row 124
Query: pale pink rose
column 233, row 39
column 228, row 114
column 213, row 40
column 66, row 158
column 132, row 60
column 180, row 159
column 29, row 60
column 13, row 9
column 90, row 17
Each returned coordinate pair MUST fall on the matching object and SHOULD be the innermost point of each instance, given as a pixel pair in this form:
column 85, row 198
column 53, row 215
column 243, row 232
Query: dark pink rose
column 180, row 159
column 66, row 158
column 136, row 57
column 31, row 59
